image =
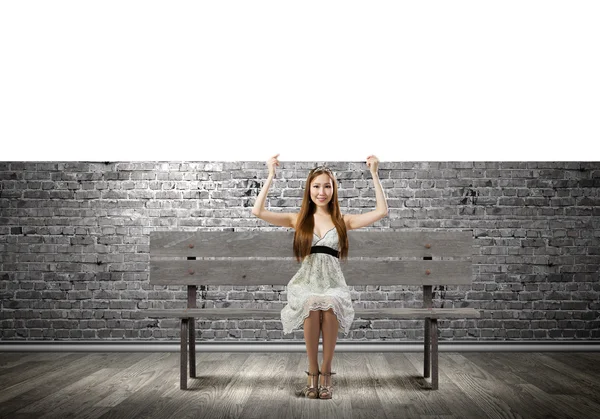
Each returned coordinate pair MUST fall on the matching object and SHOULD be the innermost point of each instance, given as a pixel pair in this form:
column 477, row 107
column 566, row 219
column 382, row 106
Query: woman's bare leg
column 312, row 330
column 329, row 328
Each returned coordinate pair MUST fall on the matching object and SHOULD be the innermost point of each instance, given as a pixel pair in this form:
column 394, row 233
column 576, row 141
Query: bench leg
column 427, row 349
column 434, row 354
column 192, row 327
column 183, row 370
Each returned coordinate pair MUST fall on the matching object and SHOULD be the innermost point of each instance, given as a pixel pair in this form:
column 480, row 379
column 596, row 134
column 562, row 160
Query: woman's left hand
column 373, row 163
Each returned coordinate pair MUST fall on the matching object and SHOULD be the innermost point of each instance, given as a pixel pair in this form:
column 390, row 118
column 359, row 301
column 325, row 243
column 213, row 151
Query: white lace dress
column 319, row 284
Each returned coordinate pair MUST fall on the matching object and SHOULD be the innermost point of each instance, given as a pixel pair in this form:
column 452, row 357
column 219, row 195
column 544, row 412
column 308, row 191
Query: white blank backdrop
column 311, row 80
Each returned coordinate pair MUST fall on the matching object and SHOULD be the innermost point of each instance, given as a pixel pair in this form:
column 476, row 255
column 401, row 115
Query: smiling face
column 321, row 187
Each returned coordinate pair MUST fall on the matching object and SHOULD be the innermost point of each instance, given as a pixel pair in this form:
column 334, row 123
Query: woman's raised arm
column 283, row 219
column 259, row 205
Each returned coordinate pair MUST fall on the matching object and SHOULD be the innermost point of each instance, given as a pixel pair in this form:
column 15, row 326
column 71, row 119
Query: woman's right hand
column 271, row 163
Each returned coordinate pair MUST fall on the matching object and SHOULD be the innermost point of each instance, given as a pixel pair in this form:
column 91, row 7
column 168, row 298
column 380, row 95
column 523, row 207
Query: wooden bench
column 266, row 258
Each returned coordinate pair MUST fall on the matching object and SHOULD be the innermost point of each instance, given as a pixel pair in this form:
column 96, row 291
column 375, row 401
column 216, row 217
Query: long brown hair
column 305, row 224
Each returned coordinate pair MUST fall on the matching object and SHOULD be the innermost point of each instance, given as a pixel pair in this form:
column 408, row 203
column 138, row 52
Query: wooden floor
column 262, row 385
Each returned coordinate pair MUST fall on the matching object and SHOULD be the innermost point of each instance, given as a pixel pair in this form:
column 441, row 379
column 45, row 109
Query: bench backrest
column 405, row 257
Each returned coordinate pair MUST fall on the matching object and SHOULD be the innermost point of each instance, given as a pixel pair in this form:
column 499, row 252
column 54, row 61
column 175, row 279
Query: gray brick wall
column 74, row 242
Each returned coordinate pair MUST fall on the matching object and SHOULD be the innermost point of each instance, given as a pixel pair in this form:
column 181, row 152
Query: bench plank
column 399, row 243
column 378, row 313
column 279, row 272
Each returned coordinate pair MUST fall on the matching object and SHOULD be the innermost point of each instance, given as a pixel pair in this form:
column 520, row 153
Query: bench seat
column 377, row 313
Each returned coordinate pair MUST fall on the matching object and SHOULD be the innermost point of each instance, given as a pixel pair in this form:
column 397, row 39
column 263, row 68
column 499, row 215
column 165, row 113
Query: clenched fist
column 271, row 163
column 373, row 163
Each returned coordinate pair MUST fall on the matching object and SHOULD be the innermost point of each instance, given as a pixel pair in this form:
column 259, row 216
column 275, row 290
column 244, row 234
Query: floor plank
column 494, row 397
column 454, row 397
column 408, row 374
column 83, row 393
column 72, row 368
column 270, row 387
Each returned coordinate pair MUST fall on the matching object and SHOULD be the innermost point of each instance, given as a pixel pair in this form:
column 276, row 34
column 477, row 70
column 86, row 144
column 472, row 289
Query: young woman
column 318, row 297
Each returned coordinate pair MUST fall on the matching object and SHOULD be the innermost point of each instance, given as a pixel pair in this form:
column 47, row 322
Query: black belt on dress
column 325, row 249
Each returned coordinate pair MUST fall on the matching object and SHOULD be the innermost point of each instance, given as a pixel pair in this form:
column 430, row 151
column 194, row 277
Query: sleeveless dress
column 319, row 284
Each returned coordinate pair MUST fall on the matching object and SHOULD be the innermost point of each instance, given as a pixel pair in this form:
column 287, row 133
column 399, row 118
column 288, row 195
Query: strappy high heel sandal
column 311, row 391
column 326, row 392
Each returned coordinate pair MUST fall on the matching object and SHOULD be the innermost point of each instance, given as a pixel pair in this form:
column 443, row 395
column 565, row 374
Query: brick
column 248, row 333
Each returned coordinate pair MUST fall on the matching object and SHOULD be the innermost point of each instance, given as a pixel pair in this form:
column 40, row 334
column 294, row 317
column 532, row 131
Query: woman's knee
column 329, row 314
column 313, row 317
column 315, row 314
